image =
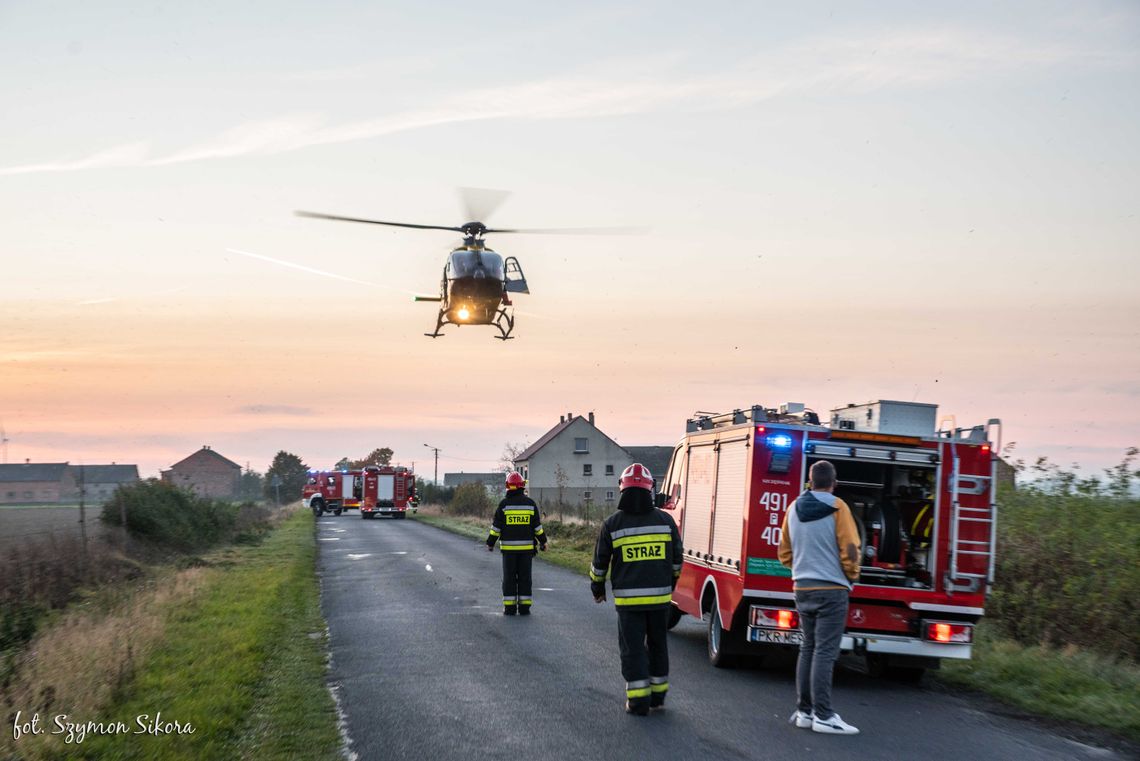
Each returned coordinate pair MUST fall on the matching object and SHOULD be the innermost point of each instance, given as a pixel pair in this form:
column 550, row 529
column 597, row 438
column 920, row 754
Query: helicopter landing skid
column 503, row 317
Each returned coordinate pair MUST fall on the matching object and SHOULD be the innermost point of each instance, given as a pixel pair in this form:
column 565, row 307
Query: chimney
column 569, row 415
column 591, row 418
column 561, row 419
column 27, row 461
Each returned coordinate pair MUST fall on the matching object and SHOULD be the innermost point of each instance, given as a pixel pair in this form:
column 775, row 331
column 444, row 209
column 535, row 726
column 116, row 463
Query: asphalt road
column 425, row 666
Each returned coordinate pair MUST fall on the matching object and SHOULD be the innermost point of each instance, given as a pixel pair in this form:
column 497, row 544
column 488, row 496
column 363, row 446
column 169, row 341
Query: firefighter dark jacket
column 641, row 547
column 517, row 524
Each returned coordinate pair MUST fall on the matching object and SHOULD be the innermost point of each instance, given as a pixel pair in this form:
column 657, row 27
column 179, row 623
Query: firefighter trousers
column 644, row 655
column 516, row 577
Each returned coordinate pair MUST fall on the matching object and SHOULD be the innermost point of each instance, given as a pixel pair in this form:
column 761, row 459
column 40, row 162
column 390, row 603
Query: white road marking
column 329, row 538
column 354, row 556
column 428, row 567
column 545, row 589
column 395, row 553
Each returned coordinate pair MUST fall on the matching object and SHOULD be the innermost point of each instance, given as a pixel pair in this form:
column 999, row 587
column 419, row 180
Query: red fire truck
column 331, row 491
column 387, row 490
column 923, row 501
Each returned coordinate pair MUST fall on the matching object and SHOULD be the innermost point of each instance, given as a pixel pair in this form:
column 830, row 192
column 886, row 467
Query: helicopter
column 477, row 282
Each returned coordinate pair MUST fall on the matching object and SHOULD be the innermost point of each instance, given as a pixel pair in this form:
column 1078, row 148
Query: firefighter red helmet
column 515, row 481
column 636, row 476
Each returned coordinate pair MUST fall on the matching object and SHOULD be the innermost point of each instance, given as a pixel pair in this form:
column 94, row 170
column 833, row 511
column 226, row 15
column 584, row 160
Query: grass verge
column 1073, row 685
column 242, row 661
column 569, row 545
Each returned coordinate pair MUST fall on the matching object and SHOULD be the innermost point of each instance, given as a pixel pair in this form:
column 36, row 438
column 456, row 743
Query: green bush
column 471, row 499
column 1068, row 568
column 175, row 518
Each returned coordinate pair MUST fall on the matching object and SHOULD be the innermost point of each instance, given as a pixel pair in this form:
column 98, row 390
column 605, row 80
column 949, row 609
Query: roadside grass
column 242, row 660
column 570, row 545
column 1074, row 685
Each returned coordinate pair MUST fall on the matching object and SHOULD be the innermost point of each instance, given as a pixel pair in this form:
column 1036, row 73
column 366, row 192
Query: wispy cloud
column 274, row 409
column 847, row 65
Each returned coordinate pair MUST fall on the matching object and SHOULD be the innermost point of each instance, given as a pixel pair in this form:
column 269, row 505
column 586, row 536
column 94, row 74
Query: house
column 575, row 463
column 53, row 483
column 206, row 473
column 493, row 482
column 37, row 483
column 98, row 482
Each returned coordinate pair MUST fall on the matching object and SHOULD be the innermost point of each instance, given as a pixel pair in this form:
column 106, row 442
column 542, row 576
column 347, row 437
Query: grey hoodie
column 815, row 550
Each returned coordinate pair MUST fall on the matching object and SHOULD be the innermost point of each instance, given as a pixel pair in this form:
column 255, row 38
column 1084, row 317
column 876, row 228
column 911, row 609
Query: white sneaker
column 833, row 725
column 802, row 719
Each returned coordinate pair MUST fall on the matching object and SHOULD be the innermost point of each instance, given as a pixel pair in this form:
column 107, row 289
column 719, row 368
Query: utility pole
column 83, row 512
column 435, row 479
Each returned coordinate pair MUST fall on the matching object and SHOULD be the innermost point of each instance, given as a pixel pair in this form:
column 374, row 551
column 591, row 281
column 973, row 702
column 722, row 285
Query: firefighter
column 517, row 527
column 641, row 548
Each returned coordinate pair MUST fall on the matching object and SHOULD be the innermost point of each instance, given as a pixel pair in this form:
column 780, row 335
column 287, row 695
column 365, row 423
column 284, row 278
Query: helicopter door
column 515, row 281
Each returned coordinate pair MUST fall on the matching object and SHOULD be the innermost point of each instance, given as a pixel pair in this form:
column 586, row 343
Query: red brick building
column 207, row 474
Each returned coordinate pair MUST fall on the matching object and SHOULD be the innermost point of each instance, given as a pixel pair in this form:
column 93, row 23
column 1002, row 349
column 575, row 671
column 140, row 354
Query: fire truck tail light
column 948, row 633
column 775, row 618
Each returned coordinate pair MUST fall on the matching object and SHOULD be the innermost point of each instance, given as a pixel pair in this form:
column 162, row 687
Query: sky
column 838, row 202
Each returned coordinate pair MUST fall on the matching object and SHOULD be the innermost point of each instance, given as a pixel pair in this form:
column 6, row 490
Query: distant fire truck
column 387, row 490
column 331, row 491
column 375, row 490
column 923, row 501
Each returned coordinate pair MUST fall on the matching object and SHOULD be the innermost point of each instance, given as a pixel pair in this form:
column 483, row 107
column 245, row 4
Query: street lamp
column 435, row 479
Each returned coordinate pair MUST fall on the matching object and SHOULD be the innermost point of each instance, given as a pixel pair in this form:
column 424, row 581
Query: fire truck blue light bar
column 780, row 441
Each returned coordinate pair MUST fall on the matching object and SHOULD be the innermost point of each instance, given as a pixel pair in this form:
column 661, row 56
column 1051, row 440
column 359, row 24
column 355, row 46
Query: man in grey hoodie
column 820, row 543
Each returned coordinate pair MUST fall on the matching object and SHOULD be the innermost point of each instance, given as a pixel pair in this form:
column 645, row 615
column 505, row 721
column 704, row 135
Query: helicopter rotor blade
column 480, row 203
column 338, row 218
column 572, row 230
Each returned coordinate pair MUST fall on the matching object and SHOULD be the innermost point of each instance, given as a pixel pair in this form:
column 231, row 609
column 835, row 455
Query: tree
column 561, row 478
column 381, row 456
column 251, row 485
column 287, row 472
column 343, row 464
column 433, row 494
column 511, row 452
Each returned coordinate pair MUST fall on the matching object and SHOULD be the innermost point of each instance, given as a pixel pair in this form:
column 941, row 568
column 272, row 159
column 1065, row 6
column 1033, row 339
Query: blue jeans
column 823, row 616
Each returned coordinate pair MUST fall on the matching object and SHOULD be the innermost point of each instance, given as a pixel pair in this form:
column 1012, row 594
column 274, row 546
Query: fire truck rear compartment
column 894, row 509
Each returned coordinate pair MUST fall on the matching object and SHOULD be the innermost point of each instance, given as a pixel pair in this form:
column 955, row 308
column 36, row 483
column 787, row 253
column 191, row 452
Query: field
column 19, row 525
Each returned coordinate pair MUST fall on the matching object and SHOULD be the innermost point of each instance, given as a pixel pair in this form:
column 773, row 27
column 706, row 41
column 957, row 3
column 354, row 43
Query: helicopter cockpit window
column 474, row 263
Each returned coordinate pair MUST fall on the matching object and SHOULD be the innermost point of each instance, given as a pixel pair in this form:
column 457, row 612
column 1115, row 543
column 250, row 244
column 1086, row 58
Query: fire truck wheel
column 401, row 516
column 675, row 616
column 318, row 508
column 336, row 512
column 721, row 642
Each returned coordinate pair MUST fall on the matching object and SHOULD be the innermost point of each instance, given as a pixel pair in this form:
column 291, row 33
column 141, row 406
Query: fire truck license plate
column 777, row 637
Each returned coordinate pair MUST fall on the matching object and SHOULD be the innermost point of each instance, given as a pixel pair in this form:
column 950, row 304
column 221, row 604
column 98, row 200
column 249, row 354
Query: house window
column 587, row 469
column 581, row 446
column 588, row 496
column 609, row 470
column 609, row 496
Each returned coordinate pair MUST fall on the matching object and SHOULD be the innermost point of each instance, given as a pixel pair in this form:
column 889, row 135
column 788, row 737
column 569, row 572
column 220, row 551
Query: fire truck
column 331, row 491
column 387, row 490
column 923, row 500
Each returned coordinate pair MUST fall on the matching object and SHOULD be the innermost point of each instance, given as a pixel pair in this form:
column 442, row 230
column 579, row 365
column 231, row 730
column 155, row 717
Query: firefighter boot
column 637, row 706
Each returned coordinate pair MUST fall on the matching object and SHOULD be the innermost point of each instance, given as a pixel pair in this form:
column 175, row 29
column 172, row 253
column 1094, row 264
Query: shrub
column 177, row 519
column 471, row 499
column 1068, row 565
